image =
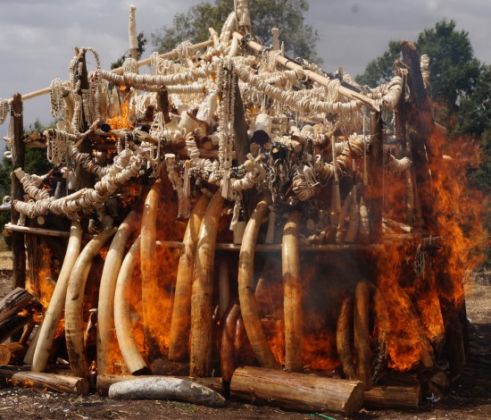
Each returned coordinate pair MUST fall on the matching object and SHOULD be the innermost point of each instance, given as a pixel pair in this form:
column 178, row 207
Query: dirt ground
column 469, row 396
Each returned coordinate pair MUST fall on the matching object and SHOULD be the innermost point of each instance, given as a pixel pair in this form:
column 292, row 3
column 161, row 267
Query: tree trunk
column 297, row 391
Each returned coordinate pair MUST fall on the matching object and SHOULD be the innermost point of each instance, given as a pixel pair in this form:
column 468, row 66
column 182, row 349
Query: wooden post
column 376, row 177
column 18, row 158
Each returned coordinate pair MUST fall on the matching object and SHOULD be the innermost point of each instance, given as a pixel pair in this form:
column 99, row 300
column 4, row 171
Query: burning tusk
column 202, row 289
column 74, row 304
column 149, row 273
column 122, row 322
column 383, row 325
column 292, row 294
column 112, row 265
column 361, row 331
column 227, row 340
column 343, row 334
column 181, row 310
column 223, row 287
column 55, row 308
column 248, row 303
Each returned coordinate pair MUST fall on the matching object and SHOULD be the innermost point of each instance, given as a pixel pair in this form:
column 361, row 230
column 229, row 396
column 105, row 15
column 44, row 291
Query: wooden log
column 122, row 322
column 17, row 192
column 227, row 339
column 374, row 193
column 292, row 294
column 248, row 302
column 74, row 321
column 148, row 266
column 46, row 381
column 297, row 391
column 202, row 290
column 14, row 302
column 420, row 119
column 166, row 388
column 12, row 325
column 106, row 335
column 394, row 396
column 181, row 309
column 343, row 337
column 52, row 316
column 361, row 331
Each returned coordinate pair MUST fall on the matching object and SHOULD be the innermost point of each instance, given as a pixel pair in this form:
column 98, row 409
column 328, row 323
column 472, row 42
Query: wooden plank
column 17, row 192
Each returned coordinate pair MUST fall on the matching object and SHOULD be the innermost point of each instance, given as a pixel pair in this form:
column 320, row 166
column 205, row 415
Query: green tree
column 288, row 15
column 453, row 67
column 380, row 69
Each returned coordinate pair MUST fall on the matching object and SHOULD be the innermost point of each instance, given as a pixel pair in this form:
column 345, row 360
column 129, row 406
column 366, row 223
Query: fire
column 123, row 119
column 438, row 284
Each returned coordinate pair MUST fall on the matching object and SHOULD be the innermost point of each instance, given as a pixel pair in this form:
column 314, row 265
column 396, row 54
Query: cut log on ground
column 166, row 388
column 248, row 302
column 181, row 309
column 297, row 391
column 202, row 290
column 43, row 381
column 292, row 294
column 393, row 397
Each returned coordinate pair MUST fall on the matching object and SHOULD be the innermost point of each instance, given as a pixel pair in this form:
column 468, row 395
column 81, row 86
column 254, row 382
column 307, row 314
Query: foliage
column 35, row 162
column 288, row 15
column 142, row 41
column 379, row 70
column 454, row 69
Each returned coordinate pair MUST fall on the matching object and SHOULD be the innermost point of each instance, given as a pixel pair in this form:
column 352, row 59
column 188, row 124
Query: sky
column 37, row 37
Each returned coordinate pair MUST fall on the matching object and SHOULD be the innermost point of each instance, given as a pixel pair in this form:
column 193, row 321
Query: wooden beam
column 17, row 192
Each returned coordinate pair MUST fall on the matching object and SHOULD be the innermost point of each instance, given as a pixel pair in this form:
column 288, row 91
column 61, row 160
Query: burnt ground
column 469, row 396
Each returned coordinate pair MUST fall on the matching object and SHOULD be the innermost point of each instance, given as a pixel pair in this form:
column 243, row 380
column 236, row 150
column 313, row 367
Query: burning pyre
column 239, row 207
